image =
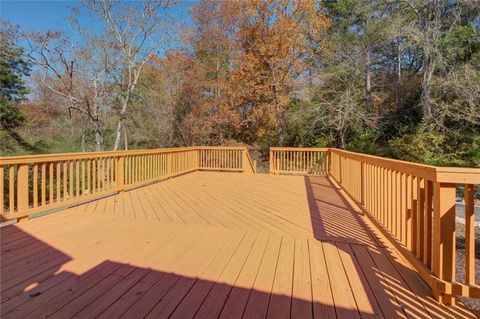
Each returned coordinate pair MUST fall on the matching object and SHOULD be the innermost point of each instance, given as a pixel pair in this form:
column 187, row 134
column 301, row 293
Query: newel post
column 120, row 173
column 443, row 261
column 270, row 161
column 22, row 188
column 362, row 183
column 245, row 160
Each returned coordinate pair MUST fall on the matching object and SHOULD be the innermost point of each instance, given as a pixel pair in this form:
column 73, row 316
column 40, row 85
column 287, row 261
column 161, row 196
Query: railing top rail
column 436, row 173
column 83, row 155
column 41, row 158
column 239, row 148
column 300, row 149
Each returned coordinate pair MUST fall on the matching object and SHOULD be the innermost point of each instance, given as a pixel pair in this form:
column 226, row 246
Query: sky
column 40, row 15
column 37, row 15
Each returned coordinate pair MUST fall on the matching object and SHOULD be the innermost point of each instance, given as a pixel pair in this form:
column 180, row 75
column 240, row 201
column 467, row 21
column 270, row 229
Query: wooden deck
column 210, row 245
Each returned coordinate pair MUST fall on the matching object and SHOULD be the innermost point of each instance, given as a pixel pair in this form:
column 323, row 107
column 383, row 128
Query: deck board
column 208, row 245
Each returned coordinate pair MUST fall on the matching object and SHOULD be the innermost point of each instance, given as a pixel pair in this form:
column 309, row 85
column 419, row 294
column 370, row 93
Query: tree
column 273, row 38
column 136, row 30
column 81, row 74
column 13, row 67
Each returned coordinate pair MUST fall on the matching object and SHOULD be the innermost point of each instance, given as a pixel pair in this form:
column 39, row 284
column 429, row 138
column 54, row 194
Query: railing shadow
column 331, row 216
column 403, row 292
column 34, row 286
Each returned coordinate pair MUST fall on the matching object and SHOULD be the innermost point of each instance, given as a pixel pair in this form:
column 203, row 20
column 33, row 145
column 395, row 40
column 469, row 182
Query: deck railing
column 298, row 161
column 413, row 203
column 37, row 183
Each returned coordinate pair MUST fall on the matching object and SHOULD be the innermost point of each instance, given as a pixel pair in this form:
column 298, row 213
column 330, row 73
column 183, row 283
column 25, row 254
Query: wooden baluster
column 77, row 178
column 169, row 164
column 119, row 173
column 58, row 181
column 65, row 179
column 94, row 175
column 382, row 196
column 108, row 167
column 392, row 201
column 89, row 176
column 11, row 188
column 374, row 194
column 70, row 180
column 398, row 204
column 136, row 177
column 408, row 215
column 83, row 178
column 35, row 185
column 50, row 183
column 364, row 185
column 103, row 173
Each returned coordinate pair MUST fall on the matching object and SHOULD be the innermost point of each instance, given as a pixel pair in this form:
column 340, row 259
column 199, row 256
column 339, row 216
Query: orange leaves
column 240, row 66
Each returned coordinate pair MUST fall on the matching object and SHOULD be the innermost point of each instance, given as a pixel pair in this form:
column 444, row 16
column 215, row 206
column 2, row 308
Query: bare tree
column 137, row 29
column 79, row 74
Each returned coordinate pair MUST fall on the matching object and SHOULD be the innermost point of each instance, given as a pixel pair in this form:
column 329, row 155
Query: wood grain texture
column 208, row 245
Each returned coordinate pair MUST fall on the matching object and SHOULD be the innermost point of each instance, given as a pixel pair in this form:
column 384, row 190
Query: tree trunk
column 125, row 138
column 118, row 137
column 426, row 88
column 399, row 76
column 368, row 82
column 98, row 134
column 342, row 138
column 278, row 116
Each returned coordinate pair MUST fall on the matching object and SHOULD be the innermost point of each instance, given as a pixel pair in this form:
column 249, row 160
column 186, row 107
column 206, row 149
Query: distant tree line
column 392, row 78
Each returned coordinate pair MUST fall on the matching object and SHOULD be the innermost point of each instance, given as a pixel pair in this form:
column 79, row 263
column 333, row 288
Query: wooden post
column 421, row 219
column 22, row 189
column 469, row 235
column 245, row 162
column 444, row 234
column 120, row 173
column 415, row 186
column 270, row 162
column 429, row 223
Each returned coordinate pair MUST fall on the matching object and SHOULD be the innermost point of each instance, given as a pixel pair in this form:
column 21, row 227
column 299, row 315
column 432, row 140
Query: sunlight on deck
column 210, row 245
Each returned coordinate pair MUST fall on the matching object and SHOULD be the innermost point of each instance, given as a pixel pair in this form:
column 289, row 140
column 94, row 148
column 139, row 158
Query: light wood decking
column 210, row 245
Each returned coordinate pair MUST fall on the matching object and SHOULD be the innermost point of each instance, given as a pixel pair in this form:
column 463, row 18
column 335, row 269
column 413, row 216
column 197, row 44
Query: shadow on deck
column 210, row 245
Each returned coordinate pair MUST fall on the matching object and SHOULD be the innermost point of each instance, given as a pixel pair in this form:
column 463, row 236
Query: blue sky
column 53, row 15
column 37, row 15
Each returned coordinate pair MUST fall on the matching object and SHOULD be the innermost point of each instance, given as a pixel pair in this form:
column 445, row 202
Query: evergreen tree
column 13, row 67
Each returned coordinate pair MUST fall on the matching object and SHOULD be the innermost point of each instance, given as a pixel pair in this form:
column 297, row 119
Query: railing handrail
column 320, row 149
column 435, row 173
column 39, row 158
column 442, row 174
